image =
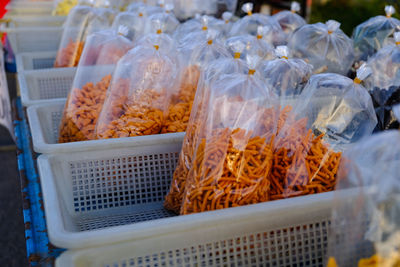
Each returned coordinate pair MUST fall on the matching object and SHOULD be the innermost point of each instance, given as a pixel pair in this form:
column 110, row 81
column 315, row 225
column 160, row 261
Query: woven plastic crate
column 18, row 21
column 47, row 85
column 115, row 195
column 35, row 60
column 280, row 233
column 30, row 8
column 44, row 121
column 34, row 39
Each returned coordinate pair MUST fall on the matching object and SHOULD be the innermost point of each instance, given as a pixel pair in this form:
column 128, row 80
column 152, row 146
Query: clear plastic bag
column 272, row 31
column 365, row 225
column 214, row 71
column 286, row 76
column 324, row 46
column 85, row 100
column 140, row 93
column 371, row 35
column 384, row 83
column 63, row 7
column 132, row 21
column 252, row 45
column 189, row 8
column 206, row 51
column 81, row 22
column 338, row 107
column 233, row 157
column 290, row 20
column 167, row 18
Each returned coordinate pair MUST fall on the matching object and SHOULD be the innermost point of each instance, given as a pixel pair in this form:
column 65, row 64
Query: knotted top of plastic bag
column 290, row 20
column 286, row 76
column 371, row 35
column 324, row 46
column 338, row 107
column 385, row 65
column 251, row 44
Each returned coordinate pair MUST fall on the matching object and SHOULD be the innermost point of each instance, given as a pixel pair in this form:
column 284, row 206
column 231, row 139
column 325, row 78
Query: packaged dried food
column 140, row 93
column 252, row 45
column 81, row 22
column 384, row 83
column 365, row 225
column 290, row 20
column 85, row 100
column 338, row 107
column 272, row 31
column 371, row 35
column 167, row 19
column 286, row 76
column 324, row 46
column 208, row 50
column 233, row 156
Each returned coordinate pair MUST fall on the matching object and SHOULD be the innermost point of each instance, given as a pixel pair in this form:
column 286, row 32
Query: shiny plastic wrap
column 81, row 22
column 252, row 45
column 365, row 228
column 286, row 76
column 212, row 72
column 167, row 18
column 338, row 107
column 233, row 157
column 206, row 51
column 290, row 20
column 132, row 21
column 384, row 83
column 85, row 100
column 140, row 93
column 371, row 35
column 324, row 46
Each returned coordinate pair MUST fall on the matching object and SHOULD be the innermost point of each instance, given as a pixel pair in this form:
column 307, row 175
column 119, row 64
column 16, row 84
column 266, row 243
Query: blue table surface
column 39, row 250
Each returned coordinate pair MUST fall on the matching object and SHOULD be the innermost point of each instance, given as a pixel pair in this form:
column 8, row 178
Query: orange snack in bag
column 70, row 55
column 80, row 117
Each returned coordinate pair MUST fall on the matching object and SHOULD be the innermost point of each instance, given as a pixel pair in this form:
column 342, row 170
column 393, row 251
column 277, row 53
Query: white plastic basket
column 18, row 21
column 46, row 85
column 114, row 195
column 290, row 232
column 35, row 60
column 30, row 8
column 44, row 121
column 34, row 39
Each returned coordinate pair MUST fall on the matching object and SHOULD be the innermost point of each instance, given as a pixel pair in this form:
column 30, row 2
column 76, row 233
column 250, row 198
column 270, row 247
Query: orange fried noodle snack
column 302, row 163
column 70, row 55
column 133, row 116
column 181, row 105
column 230, row 169
column 82, row 111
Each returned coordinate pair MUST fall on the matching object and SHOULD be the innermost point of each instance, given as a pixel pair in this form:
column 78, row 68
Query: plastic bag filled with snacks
column 140, row 93
column 132, row 21
column 331, row 112
column 286, row 76
column 167, row 19
column 183, row 32
column 81, row 22
column 212, row 72
column 384, row 83
column 63, row 7
column 206, row 51
column 85, row 100
column 373, row 34
column 365, row 227
column 233, row 157
column 290, row 20
column 252, row 45
column 324, row 46
column 249, row 24
column 337, row 107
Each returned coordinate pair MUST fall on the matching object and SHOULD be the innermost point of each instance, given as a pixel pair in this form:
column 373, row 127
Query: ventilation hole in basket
column 57, row 87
